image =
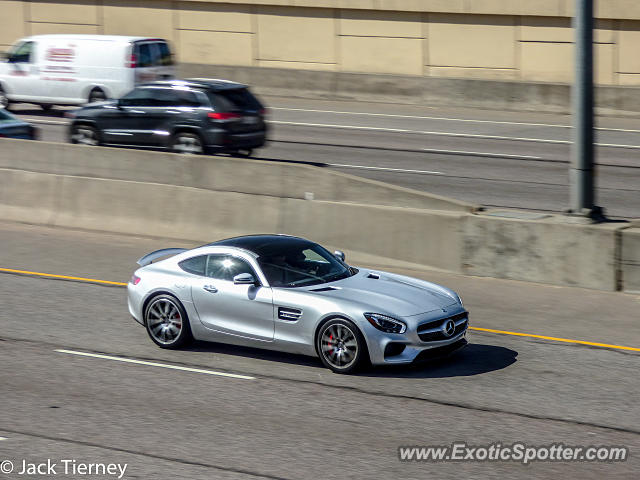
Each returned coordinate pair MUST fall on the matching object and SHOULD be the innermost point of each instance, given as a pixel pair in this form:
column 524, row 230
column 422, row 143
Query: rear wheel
column 85, row 135
column 46, row 106
column 187, row 143
column 4, row 100
column 97, row 95
column 341, row 346
column 167, row 323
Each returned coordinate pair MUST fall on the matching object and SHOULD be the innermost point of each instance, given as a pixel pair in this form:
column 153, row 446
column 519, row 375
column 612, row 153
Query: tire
column 46, row 106
column 85, row 135
column 97, row 95
column 187, row 143
column 341, row 347
column 4, row 100
column 167, row 323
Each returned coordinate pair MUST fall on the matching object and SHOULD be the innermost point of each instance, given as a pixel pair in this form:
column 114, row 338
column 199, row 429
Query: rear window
column 165, row 54
column 236, row 99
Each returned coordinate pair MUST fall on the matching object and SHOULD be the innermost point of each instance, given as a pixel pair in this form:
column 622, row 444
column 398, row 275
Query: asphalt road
column 293, row 419
column 492, row 158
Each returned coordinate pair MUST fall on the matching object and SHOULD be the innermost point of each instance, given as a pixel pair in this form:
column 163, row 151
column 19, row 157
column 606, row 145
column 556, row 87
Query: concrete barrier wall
column 221, row 173
column 630, row 259
column 77, row 192
column 516, row 40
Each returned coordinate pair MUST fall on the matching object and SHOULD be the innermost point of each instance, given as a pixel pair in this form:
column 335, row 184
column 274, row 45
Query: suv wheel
column 187, row 143
column 84, row 135
column 4, row 100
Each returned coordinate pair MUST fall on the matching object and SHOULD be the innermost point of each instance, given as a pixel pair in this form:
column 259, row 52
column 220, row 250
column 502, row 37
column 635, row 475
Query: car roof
column 208, row 83
column 263, row 244
column 105, row 38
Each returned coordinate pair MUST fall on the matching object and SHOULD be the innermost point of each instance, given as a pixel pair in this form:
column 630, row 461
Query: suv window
column 225, row 267
column 139, row 97
column 21, row 53
column 235, row 99
column 195, row 265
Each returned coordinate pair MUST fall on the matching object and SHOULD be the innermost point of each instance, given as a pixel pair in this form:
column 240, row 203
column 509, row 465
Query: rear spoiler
column 165, row 252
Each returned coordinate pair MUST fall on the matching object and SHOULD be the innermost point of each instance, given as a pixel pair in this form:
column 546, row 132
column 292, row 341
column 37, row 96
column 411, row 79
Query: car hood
column 385, row 292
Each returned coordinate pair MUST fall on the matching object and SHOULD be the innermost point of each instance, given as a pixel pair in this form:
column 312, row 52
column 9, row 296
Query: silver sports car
column 290, row 294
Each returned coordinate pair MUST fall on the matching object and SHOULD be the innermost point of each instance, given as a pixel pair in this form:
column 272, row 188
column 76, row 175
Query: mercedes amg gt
column 290, row 294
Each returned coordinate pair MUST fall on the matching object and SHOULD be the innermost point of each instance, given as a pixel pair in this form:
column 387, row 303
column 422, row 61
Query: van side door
column 23, row 73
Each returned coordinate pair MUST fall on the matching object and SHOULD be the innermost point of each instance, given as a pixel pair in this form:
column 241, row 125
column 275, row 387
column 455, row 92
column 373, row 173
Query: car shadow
column 257, row 353
column 474, row 359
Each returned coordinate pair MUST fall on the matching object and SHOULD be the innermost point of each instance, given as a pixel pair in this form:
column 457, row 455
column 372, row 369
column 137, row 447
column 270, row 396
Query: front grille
column 432, row 331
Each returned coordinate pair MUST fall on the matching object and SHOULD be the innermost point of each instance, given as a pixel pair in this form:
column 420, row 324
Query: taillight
column 223, row 115
column 264, row 111
column 132, row 61
column 135, row 279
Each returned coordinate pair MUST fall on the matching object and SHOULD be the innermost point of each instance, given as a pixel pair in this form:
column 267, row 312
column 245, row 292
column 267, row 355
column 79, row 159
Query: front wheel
column 341, row 346
column 167, row 323
column 4, row 99
column 187, row 143
column 85, row 135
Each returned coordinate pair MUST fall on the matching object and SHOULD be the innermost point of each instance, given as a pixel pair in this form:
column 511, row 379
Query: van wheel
column 85, row 135
column 46, row 106
column 97, row 95
column 188, row 143
column 4, row 100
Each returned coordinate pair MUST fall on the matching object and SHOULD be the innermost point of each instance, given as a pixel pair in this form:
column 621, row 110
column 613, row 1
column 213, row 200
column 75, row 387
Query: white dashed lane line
column 155, row 364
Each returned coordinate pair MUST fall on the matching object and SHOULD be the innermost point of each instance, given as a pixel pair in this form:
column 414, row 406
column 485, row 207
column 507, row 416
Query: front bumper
column 395, row 349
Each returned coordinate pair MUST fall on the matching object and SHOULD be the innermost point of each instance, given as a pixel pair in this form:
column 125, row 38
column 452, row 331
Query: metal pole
column 581, row 171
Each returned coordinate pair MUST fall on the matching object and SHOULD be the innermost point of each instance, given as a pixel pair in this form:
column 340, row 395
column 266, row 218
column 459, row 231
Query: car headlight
column 385, row 323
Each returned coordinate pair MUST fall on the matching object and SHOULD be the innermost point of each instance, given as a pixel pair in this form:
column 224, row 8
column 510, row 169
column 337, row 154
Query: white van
column 78, row 69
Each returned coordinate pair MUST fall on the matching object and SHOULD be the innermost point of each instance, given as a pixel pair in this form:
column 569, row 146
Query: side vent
column 290, row 314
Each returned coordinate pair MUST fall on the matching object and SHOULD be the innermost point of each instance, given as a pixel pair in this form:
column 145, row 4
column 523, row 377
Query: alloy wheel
column 164, row 321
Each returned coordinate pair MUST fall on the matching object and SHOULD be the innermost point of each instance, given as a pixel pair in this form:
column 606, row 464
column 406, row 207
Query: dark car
column 12, row 127
column 185, row 116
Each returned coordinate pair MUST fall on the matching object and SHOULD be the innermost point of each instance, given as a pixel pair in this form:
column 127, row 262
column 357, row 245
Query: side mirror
column 244, row 279
column 339, row 254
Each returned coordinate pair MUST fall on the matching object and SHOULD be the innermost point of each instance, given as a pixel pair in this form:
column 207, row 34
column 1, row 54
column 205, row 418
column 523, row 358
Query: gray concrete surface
column 630, row 259
column 494, row 94
column 296, row 420
column 487, row 157
column 547, row 250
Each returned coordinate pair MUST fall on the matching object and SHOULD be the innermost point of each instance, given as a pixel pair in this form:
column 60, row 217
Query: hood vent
column 290, row 314
column 324, row 289
column 375, row 276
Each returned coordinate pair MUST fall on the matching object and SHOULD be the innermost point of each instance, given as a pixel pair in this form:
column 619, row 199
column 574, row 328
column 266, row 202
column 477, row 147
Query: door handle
column 210, row 289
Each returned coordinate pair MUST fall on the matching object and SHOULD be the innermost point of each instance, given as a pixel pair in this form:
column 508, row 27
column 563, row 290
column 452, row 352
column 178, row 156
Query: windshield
column 304, row 265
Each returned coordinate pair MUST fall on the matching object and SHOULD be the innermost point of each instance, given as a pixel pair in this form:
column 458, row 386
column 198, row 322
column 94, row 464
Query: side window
column 165, row 97
column 144, row 55
column 195, row 265
column 187, row 99
column 225, row 267
column 22, row 53
column 138, row 97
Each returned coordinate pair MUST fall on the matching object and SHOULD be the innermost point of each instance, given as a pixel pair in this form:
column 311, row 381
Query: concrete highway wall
column 205, row 198
column 513, row 46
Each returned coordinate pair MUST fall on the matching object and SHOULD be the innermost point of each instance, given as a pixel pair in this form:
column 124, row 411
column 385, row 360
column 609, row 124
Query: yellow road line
column 65, row 277
column 555, row 339
column 479, row 329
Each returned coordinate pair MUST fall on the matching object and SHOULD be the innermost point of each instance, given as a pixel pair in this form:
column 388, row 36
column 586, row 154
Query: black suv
column 185, row 116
